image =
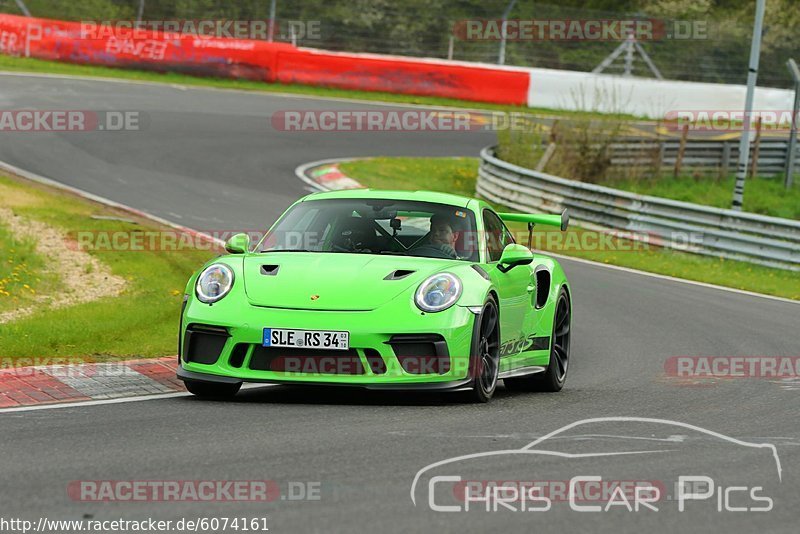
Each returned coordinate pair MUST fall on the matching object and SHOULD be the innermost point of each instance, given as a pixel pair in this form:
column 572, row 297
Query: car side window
column 497, row 235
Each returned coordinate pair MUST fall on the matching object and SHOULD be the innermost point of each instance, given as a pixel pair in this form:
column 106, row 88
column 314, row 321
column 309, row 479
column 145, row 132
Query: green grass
column 142, row 322
column 451, row 175
column 21, row 276
column 18, row 64
column 766, row 196
column 458, row 175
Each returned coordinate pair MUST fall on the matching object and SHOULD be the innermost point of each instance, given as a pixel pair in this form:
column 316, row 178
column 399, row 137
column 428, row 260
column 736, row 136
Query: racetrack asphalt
column 211, row 160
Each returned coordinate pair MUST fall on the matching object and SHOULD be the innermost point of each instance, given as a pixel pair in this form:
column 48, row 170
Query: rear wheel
column 211, row 389
column 486, row 353
column 553, row 378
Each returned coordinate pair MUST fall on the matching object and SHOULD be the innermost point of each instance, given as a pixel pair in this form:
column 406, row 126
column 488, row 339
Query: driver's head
column 443, row 231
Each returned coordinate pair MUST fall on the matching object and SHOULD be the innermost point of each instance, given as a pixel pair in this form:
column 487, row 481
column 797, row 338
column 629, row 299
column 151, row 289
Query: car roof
column 421, row 196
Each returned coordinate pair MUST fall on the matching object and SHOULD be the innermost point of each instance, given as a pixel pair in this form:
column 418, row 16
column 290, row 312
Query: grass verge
column 21, row 272
column 19, row 64
column 142, row 322
column 458, row 175
column 766, row 196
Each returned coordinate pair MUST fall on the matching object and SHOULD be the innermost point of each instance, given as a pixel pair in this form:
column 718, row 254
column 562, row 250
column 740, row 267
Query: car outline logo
column 531, row 448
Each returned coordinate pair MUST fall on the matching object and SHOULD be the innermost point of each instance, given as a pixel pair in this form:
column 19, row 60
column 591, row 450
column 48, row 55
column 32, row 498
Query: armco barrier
column 263, row 61
column 699, row 229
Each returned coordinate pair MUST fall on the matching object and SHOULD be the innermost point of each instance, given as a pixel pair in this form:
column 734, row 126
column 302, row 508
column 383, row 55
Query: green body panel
column 351, row 293
column 342, row 281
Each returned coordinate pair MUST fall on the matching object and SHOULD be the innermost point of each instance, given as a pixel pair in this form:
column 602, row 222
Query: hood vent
column 399, row 274
column 270, row 270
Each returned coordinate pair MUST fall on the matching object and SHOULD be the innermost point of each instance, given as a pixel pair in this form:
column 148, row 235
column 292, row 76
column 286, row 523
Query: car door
column 514, row 290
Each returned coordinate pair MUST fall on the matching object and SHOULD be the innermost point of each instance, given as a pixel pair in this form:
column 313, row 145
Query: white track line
column 81, row 404
column 301, row 171
column 121, row 400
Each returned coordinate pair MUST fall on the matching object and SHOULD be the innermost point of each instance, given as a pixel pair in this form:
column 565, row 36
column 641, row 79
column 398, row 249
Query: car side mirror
column 238, row 244
column 513, row 256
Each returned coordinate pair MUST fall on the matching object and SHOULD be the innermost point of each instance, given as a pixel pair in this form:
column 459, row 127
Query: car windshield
column 376, row 226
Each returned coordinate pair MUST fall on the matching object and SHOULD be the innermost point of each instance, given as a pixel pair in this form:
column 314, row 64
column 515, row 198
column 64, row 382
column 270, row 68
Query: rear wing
column 560, row 221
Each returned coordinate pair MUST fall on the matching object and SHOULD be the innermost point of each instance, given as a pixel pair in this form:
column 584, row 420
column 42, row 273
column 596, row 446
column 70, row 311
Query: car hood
column 337, row 282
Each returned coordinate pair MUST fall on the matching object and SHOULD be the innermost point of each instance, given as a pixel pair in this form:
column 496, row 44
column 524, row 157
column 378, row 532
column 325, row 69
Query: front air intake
column 204, row 344
column 421, row 354
column 306, row 361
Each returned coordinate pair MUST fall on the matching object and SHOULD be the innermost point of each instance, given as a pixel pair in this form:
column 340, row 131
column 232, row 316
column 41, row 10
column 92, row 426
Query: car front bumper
column 423, row 351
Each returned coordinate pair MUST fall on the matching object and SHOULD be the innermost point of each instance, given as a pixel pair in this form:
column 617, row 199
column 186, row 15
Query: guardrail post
column 756, row 150
column 681, row 150
column 792, row 145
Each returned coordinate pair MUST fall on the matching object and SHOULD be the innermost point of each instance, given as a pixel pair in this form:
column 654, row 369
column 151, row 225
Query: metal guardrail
column 729, row 234
column 698, row 154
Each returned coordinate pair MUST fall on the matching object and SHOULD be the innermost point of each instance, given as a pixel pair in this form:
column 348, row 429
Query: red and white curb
column 51, row 384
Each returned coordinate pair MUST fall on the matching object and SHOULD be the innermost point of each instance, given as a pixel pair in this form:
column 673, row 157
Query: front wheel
column 485, row 359
column 552, row 380
column 211, row 389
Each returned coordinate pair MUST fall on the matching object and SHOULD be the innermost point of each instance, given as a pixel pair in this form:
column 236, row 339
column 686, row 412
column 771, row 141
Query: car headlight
column 214, row 283
column 438, row 292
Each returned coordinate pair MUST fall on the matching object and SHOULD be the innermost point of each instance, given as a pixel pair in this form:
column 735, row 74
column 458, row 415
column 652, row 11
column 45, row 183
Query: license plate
column 306, row 339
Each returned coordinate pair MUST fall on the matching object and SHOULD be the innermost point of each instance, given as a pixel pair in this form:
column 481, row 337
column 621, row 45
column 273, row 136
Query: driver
column 441, row 240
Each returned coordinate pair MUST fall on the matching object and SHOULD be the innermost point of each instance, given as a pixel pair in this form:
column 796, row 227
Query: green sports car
column 381, row 290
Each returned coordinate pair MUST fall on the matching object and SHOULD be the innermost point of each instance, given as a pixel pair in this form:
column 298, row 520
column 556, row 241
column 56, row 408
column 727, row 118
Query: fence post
column 662, row 151
column 22, row 7
column 681, row 150
column 725, row 164
column 550, row 150
column 756, row 149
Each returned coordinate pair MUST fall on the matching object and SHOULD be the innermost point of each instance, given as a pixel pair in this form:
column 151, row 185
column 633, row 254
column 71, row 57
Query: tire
column 553, row 379
column 485, row 360
column 212, row 389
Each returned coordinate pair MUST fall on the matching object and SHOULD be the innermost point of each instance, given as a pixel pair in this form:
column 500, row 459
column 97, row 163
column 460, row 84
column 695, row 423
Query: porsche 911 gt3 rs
column 380, row 289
